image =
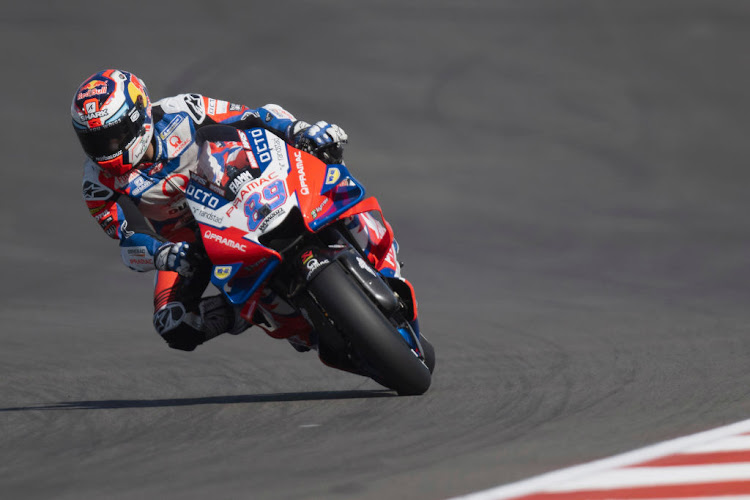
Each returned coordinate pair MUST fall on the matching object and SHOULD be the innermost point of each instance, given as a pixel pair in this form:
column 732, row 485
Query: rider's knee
column 170, row 323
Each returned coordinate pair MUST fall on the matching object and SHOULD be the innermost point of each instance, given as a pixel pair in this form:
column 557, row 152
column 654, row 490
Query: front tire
column 429, row 353
column 375, row 341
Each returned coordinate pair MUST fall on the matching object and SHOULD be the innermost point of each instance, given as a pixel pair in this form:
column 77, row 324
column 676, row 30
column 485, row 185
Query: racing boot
column 218, row 316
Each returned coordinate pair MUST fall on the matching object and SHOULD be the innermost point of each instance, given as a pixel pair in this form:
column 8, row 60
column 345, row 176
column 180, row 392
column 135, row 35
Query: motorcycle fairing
column 290, row 179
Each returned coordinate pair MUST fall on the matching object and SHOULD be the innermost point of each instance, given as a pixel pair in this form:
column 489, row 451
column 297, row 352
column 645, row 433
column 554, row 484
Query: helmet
column 112, row 117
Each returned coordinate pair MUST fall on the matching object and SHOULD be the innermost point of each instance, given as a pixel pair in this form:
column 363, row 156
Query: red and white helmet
column 112, row 117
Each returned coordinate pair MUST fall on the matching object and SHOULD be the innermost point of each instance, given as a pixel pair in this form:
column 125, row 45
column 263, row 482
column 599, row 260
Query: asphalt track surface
column 568, row 181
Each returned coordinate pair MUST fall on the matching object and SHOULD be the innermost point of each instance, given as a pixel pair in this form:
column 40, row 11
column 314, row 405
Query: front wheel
column 377, row 344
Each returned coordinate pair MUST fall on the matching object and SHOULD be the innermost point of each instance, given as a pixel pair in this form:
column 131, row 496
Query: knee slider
column 169, row 322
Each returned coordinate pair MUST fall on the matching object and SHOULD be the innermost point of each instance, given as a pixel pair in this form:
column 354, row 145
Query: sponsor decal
column 156, row 168
column 217, row 189
column 332, row 176
column 174, row 185
column 301, row 172
column 279, row 146
column 92, row 92
column 278, row 111
column 364, row 265
column 124, row 230
column 222, row 272
column 243, row 139
column 206, row 183
column 198, row 178
column 251, row 159
column 209, row 216
column 248, row 150
column 252, row 268
column 106, row 222
column 125, row 179
column 92, row 112
column 209, row 235
column 270, row 217
column 195, row 107
column 137, row 251
column 140, row 185
column 311, row 263
column 140, row 147
column 261, row 146
column 100, row 216
column 202, row 196
column 238, row 181
column 93, row 191
column 94, row 88
column 171, row 127
column 108, row 157
column 140, row 261
column 307, row 256
column 211, row 106
column 179, row 139
column 175, row 141
column 319, row 208
column 221, row 107
column 134, row 115
column 235, row 107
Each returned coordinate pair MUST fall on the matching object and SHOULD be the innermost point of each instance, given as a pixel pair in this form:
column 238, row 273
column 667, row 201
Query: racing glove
column 324, row 140
column 175, row 257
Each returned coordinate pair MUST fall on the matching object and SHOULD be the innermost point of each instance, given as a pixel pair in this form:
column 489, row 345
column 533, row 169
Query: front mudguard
column 314, row 260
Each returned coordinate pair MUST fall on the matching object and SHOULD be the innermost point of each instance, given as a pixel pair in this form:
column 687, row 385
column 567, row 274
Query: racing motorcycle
column 285, row 232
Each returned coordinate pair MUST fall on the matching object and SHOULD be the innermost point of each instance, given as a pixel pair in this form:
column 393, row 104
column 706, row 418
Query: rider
column 140, row 155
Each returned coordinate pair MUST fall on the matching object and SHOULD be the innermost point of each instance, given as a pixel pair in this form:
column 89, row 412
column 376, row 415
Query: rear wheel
column 377, row 344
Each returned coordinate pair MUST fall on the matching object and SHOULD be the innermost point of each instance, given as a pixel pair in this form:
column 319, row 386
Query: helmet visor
column 110, row 141
column 106, row 143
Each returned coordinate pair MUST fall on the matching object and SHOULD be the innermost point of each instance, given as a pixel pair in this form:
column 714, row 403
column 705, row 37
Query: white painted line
column 734, row 443
column 656, row 476
column 557, row 478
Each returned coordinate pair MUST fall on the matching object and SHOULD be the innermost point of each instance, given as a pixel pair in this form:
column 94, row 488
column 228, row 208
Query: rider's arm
column 121, row 220
column 271, row 117
column 139, row 243
column 324, row 140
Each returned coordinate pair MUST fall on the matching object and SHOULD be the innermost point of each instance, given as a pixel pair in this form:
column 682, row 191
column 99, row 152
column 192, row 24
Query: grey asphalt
column 568, row 181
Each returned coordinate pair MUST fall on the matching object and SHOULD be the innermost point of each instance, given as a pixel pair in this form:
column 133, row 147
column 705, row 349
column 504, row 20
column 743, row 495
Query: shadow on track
column 214, row 400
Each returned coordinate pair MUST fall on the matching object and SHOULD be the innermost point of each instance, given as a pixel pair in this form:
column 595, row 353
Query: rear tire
column 374, row 339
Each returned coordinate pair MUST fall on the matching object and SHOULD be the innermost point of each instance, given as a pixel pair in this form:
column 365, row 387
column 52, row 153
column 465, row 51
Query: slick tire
column 429, row 353
column 371, row 334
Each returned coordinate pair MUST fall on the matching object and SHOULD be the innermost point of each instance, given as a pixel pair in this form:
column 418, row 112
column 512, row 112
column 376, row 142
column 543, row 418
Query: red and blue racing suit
column 146, row 207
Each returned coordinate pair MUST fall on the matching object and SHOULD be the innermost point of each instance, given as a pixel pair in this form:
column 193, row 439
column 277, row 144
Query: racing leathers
column 146, row 208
